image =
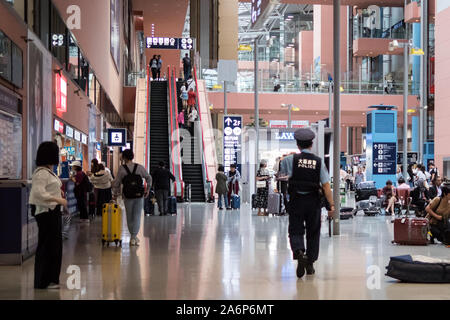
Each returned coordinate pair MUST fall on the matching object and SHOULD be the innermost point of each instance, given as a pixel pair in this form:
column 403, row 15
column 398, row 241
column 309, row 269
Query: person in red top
column 191, row 98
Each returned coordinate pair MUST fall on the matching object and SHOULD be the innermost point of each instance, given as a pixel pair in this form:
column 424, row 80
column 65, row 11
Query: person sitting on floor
column 438, row 212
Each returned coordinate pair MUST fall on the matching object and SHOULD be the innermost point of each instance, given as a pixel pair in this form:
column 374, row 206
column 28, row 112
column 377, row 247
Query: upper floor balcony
column 413, row 11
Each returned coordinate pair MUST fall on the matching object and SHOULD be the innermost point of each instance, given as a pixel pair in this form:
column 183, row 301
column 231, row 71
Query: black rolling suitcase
column 254, row 198
column 365, row 190
column 172, row 205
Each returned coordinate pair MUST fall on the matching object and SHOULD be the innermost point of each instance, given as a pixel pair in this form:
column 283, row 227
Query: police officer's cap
column 304, row 134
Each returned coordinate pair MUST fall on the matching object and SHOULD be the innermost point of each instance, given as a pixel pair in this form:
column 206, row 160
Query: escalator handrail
column 206, row 180
column 180, row 173
column 147, row 124
column 170, row 128
column 172, row 149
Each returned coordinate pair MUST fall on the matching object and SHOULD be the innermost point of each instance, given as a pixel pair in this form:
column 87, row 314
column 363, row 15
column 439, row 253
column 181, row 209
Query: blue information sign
column 384, row 158
column 232, row 141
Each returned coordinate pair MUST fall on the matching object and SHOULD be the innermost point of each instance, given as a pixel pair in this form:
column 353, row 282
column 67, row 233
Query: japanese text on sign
column 384, row 158
column 232, row 140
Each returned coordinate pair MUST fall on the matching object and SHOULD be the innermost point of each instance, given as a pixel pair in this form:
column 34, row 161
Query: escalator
column 192, row 163
column 159, row 139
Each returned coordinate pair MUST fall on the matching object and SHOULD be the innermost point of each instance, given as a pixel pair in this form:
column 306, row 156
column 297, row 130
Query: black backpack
column 133, row 186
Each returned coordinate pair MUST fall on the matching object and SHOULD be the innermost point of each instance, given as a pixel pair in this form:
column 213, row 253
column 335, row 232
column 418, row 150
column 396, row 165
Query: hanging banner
column 232, row 141
column 39, row 98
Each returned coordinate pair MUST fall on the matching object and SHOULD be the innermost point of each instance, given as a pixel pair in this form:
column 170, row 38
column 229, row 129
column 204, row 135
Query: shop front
column 73, row 146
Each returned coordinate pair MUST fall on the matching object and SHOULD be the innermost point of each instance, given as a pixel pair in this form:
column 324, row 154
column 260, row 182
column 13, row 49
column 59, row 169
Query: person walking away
column 307, row 176
column 93, row 194
column 154, row 67
column 438, row 212
column 46, row 202
column 187, row 66
column 131, row 176
column 233, row 178
column 184, row 95
column 102, row 183
column 82, row 186
column 160, row 62
column 262, row 183
column 221, row 187
column 161, row 185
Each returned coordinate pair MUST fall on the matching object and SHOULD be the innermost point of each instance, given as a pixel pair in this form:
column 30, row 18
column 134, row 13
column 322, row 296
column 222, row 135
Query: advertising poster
column 39, row 98
column 115, row 32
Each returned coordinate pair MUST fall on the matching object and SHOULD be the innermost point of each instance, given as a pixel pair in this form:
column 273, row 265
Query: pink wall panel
column 94, row 40
column 306, row 51
column 442, row 98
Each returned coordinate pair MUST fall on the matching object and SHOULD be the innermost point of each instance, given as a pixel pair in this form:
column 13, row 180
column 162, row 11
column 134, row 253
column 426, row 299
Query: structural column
column 337, row 114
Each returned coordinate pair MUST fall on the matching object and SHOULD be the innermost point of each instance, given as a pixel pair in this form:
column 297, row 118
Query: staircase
column 159, row 127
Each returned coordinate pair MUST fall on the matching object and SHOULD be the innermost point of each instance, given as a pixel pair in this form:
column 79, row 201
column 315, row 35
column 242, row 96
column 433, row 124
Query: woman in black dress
column 262, row 184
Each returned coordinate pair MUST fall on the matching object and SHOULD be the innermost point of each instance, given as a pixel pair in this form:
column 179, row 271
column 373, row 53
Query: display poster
column 385, row 158
column 115, row 32
column 10, row 146
column 39, row 98
column 232, row 141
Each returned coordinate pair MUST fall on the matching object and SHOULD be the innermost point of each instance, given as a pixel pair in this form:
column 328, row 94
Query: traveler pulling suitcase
column 172, row 206
column 111, row 224
column 411, row 231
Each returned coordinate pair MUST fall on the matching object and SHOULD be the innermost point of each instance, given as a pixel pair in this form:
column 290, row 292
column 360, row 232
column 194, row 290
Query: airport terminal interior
column 224, row 150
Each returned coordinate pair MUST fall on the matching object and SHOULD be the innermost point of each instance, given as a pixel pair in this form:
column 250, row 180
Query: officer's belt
column 303, row 186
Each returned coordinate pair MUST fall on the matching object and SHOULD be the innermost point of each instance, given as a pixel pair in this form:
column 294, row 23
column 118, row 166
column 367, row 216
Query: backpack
column 133, row 186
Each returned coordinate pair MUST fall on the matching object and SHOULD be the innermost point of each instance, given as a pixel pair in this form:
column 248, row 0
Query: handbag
column 261, row 184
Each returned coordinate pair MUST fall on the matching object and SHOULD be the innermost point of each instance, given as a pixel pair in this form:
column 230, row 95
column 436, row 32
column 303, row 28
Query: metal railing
column 316, row 87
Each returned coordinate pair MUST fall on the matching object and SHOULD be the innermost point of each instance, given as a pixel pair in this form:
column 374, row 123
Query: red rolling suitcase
column 411, row 231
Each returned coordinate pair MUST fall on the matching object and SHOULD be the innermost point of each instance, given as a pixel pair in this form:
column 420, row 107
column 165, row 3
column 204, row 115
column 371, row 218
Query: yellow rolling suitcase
column 111, row 224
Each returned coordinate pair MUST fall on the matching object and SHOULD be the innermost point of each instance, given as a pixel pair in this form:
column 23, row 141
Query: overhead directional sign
column 232, row 141
column 384, row 158
column 170, row 43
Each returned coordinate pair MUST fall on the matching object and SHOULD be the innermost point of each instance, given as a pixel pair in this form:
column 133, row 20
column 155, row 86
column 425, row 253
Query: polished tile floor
column 203, row 253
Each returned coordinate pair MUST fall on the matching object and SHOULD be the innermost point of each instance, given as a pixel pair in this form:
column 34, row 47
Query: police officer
column 307, row 175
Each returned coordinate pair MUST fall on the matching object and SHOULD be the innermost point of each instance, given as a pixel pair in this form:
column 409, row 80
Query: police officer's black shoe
column 298, row 253
column 310, row 268
column 301, row 264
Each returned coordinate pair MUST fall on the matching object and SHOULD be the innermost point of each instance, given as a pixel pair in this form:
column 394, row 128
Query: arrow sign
column 228, row 121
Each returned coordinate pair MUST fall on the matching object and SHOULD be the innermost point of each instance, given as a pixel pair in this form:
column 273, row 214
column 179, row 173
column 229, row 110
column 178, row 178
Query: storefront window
column 19, row 6
column 91, row 85
column 73, row 65
column 5, row 57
